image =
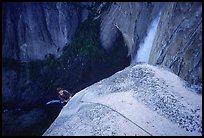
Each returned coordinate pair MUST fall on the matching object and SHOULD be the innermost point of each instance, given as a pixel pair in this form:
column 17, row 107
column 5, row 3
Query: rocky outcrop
column 129, row 18
column 33, row 30
column 178, row 41
column 139, row 100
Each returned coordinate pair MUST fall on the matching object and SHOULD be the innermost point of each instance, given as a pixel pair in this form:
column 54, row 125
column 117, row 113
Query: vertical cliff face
column 72, row 45
column 131, row 19
column 33, row 30
column 178, row 41
column 36, row 60
column 33, row 65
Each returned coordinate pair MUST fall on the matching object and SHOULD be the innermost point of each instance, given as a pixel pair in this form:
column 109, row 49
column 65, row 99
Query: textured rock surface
column 81, row 62
column 29, row 85
column 131, row 19
column 32, row 30
column 178, row 41
column 139, row 100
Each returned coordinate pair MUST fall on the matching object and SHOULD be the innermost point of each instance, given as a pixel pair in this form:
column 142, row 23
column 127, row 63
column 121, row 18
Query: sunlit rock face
column 140, row 100
column 32, row 30
column 178, row 41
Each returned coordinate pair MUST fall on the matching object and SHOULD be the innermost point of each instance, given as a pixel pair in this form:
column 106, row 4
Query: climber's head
column 59, row 89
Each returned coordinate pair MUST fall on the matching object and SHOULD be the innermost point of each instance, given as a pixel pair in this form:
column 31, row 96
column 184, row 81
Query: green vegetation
column 82, row 62
column 79, row 58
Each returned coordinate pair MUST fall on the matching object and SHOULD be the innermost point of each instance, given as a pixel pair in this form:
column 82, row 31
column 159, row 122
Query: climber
column 64, row 95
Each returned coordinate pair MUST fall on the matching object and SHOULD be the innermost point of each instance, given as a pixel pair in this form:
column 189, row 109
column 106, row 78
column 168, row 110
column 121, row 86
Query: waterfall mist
column 145, row 47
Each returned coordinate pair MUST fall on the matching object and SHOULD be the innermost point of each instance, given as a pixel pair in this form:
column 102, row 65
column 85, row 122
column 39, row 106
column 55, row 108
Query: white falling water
column 145, row 47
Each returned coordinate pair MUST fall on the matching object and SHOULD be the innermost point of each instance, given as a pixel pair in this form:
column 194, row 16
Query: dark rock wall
column 31, row 77
column 32, row 30
column 178, row 41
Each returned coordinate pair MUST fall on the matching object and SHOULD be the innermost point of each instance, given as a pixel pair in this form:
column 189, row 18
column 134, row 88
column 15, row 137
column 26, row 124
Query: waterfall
column 145, row 47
